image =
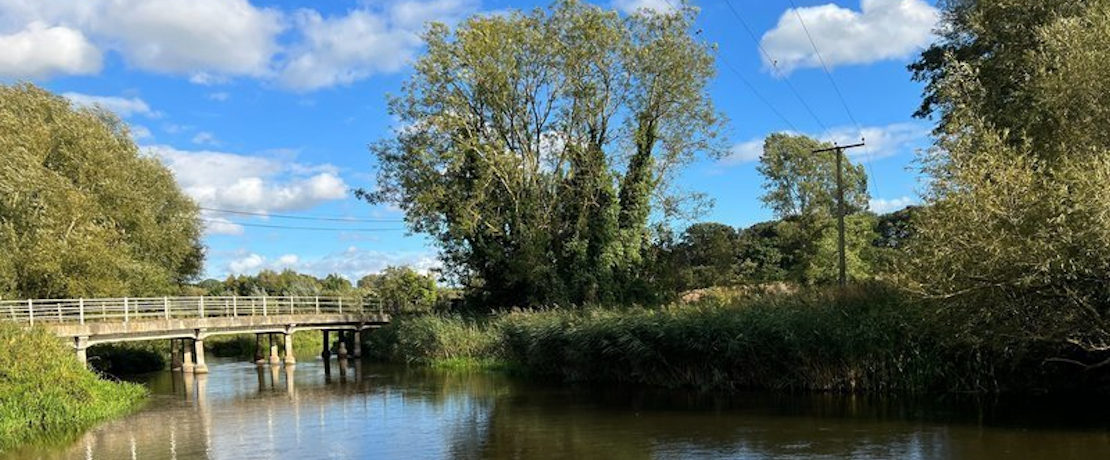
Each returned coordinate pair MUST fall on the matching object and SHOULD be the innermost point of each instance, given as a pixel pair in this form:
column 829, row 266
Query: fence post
column 317, row 300
column 59, row 304
column 166, row 306
column 200, row 305
column 81, row 309
column 263, row 305
column 31, row 312
column 235, row 306
column 340, row 305
column 291, row 305
column 125, row 315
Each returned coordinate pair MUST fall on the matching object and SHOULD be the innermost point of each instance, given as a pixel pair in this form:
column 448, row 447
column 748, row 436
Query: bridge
column 187, row 321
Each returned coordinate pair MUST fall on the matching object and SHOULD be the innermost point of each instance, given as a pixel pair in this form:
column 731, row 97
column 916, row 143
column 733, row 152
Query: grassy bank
column 45, row 393
column 865, row 339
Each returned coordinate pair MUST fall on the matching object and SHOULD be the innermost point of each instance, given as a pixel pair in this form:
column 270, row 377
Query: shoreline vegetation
column 46, row 394
column 867, row 339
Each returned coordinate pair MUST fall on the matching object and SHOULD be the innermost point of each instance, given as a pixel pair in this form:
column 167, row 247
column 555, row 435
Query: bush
column 46, row 393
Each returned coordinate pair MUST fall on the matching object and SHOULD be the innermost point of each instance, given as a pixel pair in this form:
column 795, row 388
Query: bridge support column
column 326, row 353
column 187, row 365
column 200, row 367
column 175, row 355
column 81, row 344
column 274, row 358
column 290, row 358
column 259, row 358
column 342, row 346
column 357, row 344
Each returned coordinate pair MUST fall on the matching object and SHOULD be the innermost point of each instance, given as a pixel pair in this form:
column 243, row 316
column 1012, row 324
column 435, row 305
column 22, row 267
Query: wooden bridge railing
column 125, row 309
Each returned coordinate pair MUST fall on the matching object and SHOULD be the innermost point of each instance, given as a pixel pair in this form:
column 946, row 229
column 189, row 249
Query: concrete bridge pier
column 81, row 345
column 259, row 358
column 342, row 351
column 290, row 357
column 356, row 343
column 200, row 367
column 274, row 358
column 175, row 355
column 187, row 365
column 326, row 352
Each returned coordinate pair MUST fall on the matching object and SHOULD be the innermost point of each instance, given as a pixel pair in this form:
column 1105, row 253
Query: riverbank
column 865, row 339
column 45, row 393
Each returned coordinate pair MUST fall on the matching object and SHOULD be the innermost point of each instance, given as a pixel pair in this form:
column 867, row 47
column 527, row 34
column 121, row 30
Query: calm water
column 242, row 411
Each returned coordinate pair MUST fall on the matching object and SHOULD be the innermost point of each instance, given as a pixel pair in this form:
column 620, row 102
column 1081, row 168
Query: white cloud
column 215, row 225
column 250, row 263
column 205, row 138
column 39, row 51
column 219, row 96
column 214, row 41
column 186, row 37
column 250, row 183
column 344, row 49
column 882, row 142
column 883, row 29
column 140, row 132
column 632, row 6
column 744, row 152
column 883, row 206
column 122, row 106
column 352, row 262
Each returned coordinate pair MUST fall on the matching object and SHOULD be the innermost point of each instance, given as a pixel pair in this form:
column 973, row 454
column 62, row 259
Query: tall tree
column 537, row 146
column 1015, row 236
column 798, row 183
column 82, row 212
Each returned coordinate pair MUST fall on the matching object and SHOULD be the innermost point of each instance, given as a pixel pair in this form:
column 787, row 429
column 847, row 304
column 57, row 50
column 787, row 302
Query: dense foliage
column 1016, row 235
column 536, row 146
column 402, row 289
column 46, row 392
column 82, row 211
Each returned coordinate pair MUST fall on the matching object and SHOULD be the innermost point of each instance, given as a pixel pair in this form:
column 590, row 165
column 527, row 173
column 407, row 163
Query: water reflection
column 344, row 409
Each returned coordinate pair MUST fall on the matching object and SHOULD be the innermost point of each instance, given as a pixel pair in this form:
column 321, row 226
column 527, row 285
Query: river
column 241, row 411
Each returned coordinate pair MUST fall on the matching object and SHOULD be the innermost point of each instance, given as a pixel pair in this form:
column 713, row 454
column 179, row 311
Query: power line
column 839, row 94
column 775, row 65
column 286, row 227
column 825, row 67
column 297, row 217
column 759, row 95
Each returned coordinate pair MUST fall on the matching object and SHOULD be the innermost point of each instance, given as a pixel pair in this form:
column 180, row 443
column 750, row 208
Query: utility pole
column 839, row 149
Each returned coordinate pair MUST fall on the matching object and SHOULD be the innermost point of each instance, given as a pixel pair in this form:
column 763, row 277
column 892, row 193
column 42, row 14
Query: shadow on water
column 351, row 409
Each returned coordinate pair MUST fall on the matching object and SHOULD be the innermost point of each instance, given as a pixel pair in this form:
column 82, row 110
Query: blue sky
column 268, row 106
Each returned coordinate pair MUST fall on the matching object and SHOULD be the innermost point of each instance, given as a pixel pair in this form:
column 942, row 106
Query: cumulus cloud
column 213, row 41
column 882, row 142
column 632, row 6
column 140, row 132
column 122, row 106
column 343, row 49
column 883, row 206
column 216, row 225
column 352, row 262
column 882, row 29
column 262, row 184
column 219, row 96
column 187, row 37
column 39, row 51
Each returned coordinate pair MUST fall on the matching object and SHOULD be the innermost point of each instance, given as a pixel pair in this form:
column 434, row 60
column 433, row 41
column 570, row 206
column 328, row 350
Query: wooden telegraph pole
column 839, row 149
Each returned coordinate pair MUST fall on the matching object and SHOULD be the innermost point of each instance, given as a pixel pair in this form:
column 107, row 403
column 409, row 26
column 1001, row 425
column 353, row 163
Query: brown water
column 364, row 411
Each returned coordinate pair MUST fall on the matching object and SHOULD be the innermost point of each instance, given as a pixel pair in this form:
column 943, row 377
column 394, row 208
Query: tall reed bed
column 45, row 393
column 865, row 338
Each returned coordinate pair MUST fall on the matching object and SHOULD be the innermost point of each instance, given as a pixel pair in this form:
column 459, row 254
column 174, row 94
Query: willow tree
column 536, row 146
column 82, row 211
column 1016, row 234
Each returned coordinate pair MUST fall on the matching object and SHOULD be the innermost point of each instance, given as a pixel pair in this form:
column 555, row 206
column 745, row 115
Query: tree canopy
column 535, row 147
column 82, row 211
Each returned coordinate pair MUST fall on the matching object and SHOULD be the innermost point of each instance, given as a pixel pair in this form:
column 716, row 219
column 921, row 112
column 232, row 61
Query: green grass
column 46, row 394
